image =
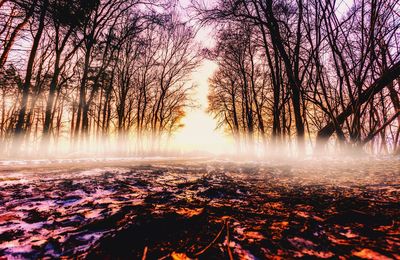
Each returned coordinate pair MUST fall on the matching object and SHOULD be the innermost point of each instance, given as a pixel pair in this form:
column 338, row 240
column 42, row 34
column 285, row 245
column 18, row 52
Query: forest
column 292, row 75
column 301, row 98
column 88, row 71
column 301, row 71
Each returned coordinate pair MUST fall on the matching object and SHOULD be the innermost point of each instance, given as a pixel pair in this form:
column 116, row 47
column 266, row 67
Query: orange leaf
column 370, row 254
column 179, row 256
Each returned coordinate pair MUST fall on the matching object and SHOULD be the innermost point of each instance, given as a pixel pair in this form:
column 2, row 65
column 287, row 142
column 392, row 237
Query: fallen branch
column 386, row 78
column 388, row 122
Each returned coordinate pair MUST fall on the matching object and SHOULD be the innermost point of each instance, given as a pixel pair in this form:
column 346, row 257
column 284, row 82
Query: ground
column 206, row 209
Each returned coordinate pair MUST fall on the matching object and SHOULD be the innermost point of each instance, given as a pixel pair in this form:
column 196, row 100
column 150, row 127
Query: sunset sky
column 200, row 133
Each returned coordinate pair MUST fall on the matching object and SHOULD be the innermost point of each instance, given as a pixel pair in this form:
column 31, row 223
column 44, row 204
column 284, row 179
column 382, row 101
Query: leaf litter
column 204, row 210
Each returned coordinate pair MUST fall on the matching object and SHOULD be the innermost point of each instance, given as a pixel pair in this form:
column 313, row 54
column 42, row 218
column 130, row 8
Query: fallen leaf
column 301, row 242
column 349, row 234
column 370, row 254
column 179, row 256
column 189, row 212
column 254, row 235
column 319, row 254
column 8, row 217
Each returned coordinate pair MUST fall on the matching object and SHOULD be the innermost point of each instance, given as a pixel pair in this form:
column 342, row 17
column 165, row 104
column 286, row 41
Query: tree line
column 306, row 73
column 80, row 71
column 291, row 74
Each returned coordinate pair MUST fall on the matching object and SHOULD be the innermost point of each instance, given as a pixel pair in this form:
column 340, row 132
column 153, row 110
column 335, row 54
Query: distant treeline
column 85, row 70
column 299, row 72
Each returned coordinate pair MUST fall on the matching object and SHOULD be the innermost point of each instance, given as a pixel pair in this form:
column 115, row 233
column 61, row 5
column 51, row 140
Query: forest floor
column 201, row 209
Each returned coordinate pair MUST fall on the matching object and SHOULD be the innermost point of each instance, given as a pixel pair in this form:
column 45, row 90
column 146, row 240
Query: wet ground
column 201, row 209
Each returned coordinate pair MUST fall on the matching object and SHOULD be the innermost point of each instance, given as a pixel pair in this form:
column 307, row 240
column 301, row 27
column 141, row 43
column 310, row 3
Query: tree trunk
column 19, row 128
column 292, row 76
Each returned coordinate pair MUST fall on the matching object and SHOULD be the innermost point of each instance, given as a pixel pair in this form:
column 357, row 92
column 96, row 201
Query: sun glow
column 199, row 133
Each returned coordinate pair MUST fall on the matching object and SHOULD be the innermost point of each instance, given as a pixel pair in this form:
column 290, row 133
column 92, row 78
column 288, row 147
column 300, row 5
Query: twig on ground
column 227, row 240
column 214, row 240
column 145, row 253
